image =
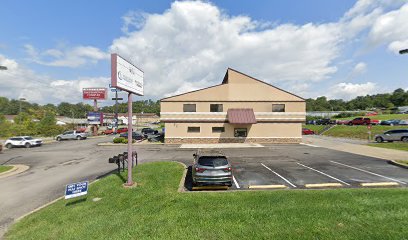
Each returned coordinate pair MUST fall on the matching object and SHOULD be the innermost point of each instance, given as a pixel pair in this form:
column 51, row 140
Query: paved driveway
column 302, row 166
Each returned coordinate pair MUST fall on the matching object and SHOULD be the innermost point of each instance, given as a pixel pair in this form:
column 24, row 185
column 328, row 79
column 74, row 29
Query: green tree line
column 389, row 101
column 78, row 110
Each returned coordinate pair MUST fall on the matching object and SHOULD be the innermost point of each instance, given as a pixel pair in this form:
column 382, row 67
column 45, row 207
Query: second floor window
column 278, row 107
column 216, row 108
column 189, row 107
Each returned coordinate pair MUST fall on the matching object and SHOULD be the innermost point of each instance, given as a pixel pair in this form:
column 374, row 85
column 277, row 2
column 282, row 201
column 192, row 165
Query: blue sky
column 339, row 49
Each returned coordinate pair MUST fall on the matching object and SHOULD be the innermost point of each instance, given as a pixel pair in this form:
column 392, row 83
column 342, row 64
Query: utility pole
column 21, row 99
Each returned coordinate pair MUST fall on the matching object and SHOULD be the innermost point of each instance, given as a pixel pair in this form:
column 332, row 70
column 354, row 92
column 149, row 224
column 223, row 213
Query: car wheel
column 404, row 139
column 379, row 139
column 27, row 145
column 9, row 146
column 390, row 141
column 78, row 138
column 58, row 139
column 229, row 184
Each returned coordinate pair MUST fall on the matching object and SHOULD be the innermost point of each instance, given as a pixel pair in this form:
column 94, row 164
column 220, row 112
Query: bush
column 122, row 140
column 118, row 140
column 126, row 141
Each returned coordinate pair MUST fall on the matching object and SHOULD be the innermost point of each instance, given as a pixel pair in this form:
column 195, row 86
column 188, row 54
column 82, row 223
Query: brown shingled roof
column 241, row 116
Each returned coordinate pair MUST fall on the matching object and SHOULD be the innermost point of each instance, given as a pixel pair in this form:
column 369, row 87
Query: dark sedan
column 135, row 135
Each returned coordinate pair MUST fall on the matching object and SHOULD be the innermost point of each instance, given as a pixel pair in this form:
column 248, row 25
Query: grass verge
column 155, row 210
column 393, row 145
column 403, row 162
column 359, row 132
column 5, row 168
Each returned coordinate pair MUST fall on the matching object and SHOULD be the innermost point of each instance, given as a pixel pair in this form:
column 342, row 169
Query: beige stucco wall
column 256, row 106
column 260, row 132
column 237, row 91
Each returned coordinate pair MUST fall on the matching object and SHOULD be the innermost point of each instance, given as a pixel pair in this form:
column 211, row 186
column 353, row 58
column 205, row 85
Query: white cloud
column 396, row 46
column 390, row 28
column 18, row 81
column 349, row 90
column 360, row 68
column 191, row 44
column 71, row 57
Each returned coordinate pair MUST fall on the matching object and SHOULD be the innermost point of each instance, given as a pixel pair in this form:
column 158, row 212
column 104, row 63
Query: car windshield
column 212, row 161
column 28, row 138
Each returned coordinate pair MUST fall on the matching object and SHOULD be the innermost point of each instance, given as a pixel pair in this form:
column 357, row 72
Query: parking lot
column 309, row 167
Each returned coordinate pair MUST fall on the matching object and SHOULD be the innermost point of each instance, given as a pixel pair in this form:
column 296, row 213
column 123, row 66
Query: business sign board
column 125, row 75
column 94, row 93
column 76, row 189
column 95, row 118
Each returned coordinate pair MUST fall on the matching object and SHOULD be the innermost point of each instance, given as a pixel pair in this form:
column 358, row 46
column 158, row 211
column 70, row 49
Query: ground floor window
column 240, row 132
column 193, row 129
column 218, row 129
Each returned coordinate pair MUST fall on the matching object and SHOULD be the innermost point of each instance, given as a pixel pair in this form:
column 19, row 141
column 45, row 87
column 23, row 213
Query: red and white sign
column 95, row 93
column 126, row 76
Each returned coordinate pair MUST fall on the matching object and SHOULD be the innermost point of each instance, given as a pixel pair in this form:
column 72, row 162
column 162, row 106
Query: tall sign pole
column 94, row 94
column 130, row 140
column 127, row 77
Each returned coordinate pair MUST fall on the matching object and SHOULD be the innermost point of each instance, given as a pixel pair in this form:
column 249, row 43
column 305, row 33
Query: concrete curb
column 17, row 169
column 122, row 144
column 397, row 164
column 183, row 178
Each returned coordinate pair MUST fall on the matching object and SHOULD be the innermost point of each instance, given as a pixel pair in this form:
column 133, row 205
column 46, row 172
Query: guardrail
column 122, row 158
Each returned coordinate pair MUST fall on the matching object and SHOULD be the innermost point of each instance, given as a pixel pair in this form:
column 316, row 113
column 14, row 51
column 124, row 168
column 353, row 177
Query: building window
column 189, row 107
column 193, row 129
column 278, row 107
column 218, row 129
column 215, row 107
column 240, row 132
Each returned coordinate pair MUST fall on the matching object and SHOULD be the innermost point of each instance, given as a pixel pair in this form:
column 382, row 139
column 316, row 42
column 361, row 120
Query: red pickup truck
column 363, row 121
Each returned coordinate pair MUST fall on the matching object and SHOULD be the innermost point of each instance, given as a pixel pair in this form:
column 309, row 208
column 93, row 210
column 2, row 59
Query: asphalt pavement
column 54, row 165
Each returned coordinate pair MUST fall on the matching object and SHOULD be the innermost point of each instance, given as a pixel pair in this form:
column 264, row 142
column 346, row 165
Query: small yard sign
column 76, row 189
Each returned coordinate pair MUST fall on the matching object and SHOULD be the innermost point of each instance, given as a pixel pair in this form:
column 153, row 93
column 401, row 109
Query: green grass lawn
column 5, row 168
column 155, row 210
column 381, row 117
column 359, row 132
column 394, row 145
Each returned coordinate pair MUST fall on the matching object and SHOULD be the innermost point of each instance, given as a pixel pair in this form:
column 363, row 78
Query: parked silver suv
column 393, row 135
column 211, row 168
column 71, row 135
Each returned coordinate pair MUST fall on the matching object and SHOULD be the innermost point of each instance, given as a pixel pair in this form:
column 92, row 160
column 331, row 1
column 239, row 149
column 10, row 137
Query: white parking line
column 310, row 145
column 375, row 174
column 286, row 180
column 235, row 182
column 325, row 174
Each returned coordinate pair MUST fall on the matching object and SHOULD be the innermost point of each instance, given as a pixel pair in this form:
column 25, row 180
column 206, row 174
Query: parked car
column 390, row 122
column 211, row 168
column 307, row 131
column 343, row 122
column 363, row 121
column 108, row 131
column 23, row 141
column 71, row 135
column 325, row 121
column 392, row 135
column 121, row 130
column 148, row 131
column 159, row 137
column 135, row 135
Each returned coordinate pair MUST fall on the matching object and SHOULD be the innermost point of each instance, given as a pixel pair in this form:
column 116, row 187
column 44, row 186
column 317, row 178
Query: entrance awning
column 241, row 116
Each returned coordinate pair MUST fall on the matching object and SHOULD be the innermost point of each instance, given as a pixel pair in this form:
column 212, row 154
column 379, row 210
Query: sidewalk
column 356, row 147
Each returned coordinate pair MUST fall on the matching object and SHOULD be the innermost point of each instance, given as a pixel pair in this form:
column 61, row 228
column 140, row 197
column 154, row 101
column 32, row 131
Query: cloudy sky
column 338, row 48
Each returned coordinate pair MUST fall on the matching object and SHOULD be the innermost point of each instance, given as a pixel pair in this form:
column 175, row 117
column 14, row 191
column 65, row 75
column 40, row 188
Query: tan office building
column 240, row 109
